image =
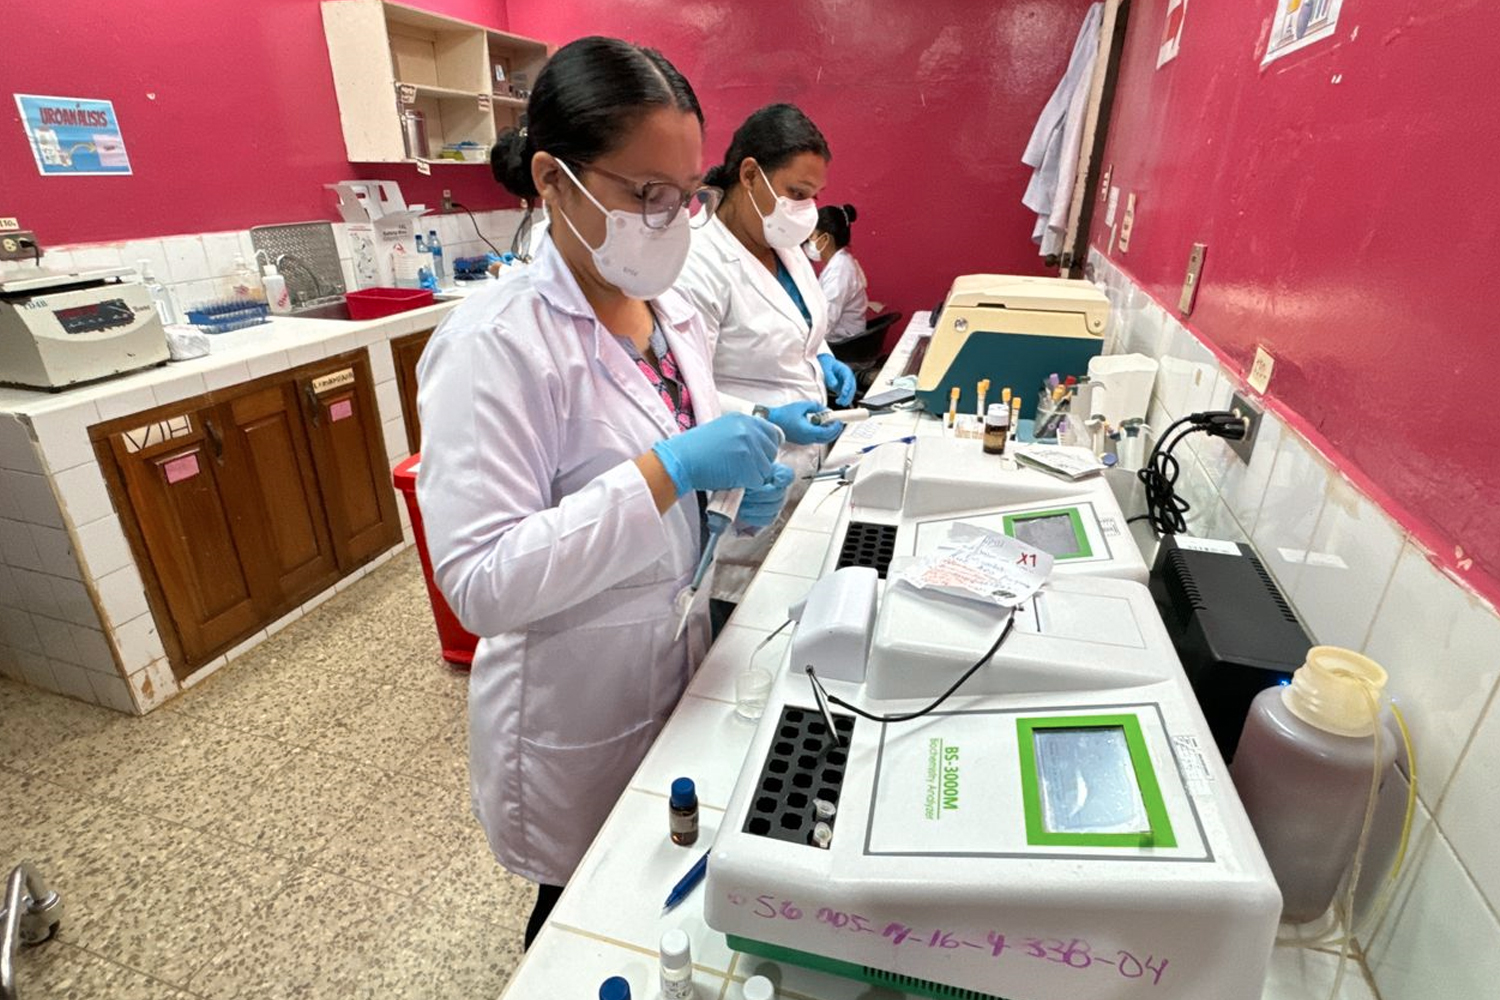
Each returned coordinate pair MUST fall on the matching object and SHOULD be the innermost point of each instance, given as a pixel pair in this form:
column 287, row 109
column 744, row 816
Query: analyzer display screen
column 1052, row 533
column 1088, row 782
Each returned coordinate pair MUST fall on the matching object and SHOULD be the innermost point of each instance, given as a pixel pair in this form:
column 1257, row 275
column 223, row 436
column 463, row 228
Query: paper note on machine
column 981, row 565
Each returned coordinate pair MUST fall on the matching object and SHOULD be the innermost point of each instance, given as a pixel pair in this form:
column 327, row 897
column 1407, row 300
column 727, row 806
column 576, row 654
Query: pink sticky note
column 182, row 468
column 341, row 410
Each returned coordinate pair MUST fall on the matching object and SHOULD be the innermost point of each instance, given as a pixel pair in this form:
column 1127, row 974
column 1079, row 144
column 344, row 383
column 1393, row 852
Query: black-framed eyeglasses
column 662, row 200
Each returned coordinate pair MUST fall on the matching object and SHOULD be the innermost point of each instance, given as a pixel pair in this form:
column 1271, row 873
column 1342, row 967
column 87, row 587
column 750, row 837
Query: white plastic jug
column 1122, row 386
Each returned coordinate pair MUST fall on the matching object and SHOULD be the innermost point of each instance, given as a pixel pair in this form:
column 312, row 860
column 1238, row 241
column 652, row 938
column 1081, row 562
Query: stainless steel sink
column 329, row 310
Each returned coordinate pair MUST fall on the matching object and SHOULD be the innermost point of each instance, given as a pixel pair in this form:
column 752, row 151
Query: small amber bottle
column 684, row 812
column 996, row 429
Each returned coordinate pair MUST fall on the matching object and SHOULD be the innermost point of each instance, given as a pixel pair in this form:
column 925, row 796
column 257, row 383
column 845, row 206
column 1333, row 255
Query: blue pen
column 687, row 883
column 870, row 448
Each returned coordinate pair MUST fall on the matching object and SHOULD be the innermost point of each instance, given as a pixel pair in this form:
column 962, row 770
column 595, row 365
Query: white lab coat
column 843, row 284
column 546, row 542
column 764, row 353
column 1053, row 149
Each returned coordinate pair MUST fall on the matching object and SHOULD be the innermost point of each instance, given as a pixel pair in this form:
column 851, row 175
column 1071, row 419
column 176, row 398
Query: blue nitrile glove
column 839, row 378
column 792, row 419
column 733, row 451
column 761, row 504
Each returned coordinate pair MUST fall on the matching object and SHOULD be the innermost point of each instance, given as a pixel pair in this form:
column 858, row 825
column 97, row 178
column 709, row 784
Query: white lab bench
column 609, row 921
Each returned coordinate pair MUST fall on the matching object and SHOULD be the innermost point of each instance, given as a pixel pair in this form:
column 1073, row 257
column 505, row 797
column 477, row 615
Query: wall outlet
column 1190, row 280
column 1127, row 225
column 19, row 244
column 447, row 200
column 1242, row 406
column 1260, row 371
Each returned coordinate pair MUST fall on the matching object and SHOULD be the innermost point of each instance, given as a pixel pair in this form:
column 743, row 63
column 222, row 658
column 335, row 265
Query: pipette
column 853, row 416
column 722, row 510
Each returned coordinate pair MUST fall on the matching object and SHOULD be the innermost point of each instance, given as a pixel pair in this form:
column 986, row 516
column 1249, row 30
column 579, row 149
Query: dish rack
column 223, row 315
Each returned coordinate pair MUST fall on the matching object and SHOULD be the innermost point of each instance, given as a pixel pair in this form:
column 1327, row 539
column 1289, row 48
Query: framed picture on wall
column 1300, row 23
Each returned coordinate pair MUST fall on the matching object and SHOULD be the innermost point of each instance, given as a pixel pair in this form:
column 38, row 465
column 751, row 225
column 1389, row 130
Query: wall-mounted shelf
column 387, row 57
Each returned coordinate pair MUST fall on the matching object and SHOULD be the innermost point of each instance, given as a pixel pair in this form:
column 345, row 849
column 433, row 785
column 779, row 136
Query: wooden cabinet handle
column 314, row 402
column 215, row 439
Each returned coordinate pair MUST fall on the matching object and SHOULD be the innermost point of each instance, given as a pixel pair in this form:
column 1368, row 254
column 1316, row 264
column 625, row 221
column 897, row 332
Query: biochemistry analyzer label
column 73, row 135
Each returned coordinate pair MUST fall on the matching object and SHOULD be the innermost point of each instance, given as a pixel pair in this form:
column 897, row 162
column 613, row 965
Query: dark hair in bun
column 772, row 136
column 836, row 220
column 587, row 98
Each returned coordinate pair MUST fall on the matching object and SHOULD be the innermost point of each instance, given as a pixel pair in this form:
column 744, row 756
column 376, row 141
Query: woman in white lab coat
column 842, row 279
column 767, row 317
column 569, row 423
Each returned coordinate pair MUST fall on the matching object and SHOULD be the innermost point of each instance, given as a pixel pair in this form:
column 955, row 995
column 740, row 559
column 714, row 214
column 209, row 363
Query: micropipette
column 853, row 416
column 722, row 510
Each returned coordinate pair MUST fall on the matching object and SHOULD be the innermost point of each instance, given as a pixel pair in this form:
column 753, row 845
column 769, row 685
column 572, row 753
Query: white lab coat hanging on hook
column 764, row 353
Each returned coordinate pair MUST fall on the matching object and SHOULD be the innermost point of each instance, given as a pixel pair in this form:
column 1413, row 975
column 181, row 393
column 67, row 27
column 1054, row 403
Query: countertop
column 609, row 921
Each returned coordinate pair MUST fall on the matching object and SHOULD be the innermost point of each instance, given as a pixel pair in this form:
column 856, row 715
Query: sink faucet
column 31, row 914
column 317, row 281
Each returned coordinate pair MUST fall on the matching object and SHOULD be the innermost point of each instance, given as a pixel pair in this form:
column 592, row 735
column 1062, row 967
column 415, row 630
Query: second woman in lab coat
column 842, row 279
column 751, row 281
column 569, row 424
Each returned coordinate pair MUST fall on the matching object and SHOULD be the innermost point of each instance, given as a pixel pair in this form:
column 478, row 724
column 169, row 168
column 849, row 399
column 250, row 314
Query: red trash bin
column 458, row 644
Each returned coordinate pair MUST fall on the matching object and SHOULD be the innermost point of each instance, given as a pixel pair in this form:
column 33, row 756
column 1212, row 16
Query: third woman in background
column 767, row 317
column 842, row 279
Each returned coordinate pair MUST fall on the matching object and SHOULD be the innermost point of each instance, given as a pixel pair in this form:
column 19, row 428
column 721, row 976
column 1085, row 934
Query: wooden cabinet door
column 406, row 352
column 171, row 470
column 272, row 493
column 349, row 454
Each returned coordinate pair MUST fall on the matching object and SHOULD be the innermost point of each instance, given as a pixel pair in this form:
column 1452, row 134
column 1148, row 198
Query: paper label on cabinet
column 341, row 410
column 408, row 93
column 333, row 380
column 484, row 102
column 424, row 168
column 182, row 468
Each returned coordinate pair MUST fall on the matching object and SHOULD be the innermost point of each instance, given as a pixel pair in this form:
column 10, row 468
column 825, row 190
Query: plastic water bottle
column 436, row 249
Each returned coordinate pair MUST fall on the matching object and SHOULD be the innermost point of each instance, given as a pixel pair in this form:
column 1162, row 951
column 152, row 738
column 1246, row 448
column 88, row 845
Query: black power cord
column 821, row 694
column 1164, row 508
column 459, row 204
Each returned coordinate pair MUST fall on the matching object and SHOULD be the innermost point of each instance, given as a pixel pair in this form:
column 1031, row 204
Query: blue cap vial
column 684, row 794
column 614, row 988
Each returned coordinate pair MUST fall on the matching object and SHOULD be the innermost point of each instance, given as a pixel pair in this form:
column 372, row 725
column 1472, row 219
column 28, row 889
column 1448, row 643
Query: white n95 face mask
column 811, row 249
column 640, row 261
column 790, row 222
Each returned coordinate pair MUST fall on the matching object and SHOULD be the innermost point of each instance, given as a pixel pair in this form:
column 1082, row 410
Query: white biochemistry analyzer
column 1061, row 828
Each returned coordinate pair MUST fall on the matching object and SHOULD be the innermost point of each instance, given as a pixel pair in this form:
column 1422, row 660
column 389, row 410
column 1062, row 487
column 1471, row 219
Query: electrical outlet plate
column 1190, row 280
column 447, row 199
column 19, row 244
column 1242, row 405
column 1128, row 225
column 1260, row 371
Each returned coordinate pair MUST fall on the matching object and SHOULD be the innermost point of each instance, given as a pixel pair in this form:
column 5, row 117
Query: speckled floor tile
column 481, row 889
column 386, row 731
column 405, row 834
column 444, row 759
column 275, row 691
column 301, row 807
column 32, row 722
column 58, row 971
column 92, row 760
column 169, row 898
column 319, row 937
column 437, row 954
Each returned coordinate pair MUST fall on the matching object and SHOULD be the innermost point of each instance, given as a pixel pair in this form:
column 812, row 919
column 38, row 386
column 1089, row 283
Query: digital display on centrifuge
column 1051, row 533
column 1088, row 782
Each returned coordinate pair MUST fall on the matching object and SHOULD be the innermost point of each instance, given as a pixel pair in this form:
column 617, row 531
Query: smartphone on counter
column 887, row 399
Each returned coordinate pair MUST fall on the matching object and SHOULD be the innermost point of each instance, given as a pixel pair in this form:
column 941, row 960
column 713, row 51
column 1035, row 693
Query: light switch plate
column 1190, row 280
column 1127, row 225
column 1260, row 372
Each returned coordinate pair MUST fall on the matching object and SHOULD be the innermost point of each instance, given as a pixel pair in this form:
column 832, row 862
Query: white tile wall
column 104, row 546
column 34, row 497
column 122, row 595
column 17, row 450
column 55, row 550
column 63, row 434
column 137, row 643
column 1357, row 580
column 84, row 495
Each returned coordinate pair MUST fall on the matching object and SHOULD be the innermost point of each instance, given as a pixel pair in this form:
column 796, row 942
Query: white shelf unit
column 387, row 57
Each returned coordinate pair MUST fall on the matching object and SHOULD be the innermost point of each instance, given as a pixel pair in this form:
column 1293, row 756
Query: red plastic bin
column 457, row 642
column 373, row 303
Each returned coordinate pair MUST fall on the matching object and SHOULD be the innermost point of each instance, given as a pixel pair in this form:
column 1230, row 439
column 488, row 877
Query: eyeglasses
column 662, row 200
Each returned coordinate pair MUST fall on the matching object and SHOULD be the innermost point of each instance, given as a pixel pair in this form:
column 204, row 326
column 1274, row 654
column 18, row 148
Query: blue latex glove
column 736, row 450
column 839, row 378
column 792, row 419
column 761, row 504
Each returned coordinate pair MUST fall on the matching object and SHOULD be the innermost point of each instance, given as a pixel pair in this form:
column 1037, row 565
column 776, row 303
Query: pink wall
column 927, row 107
column 1347, row 196
column 227, row 109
